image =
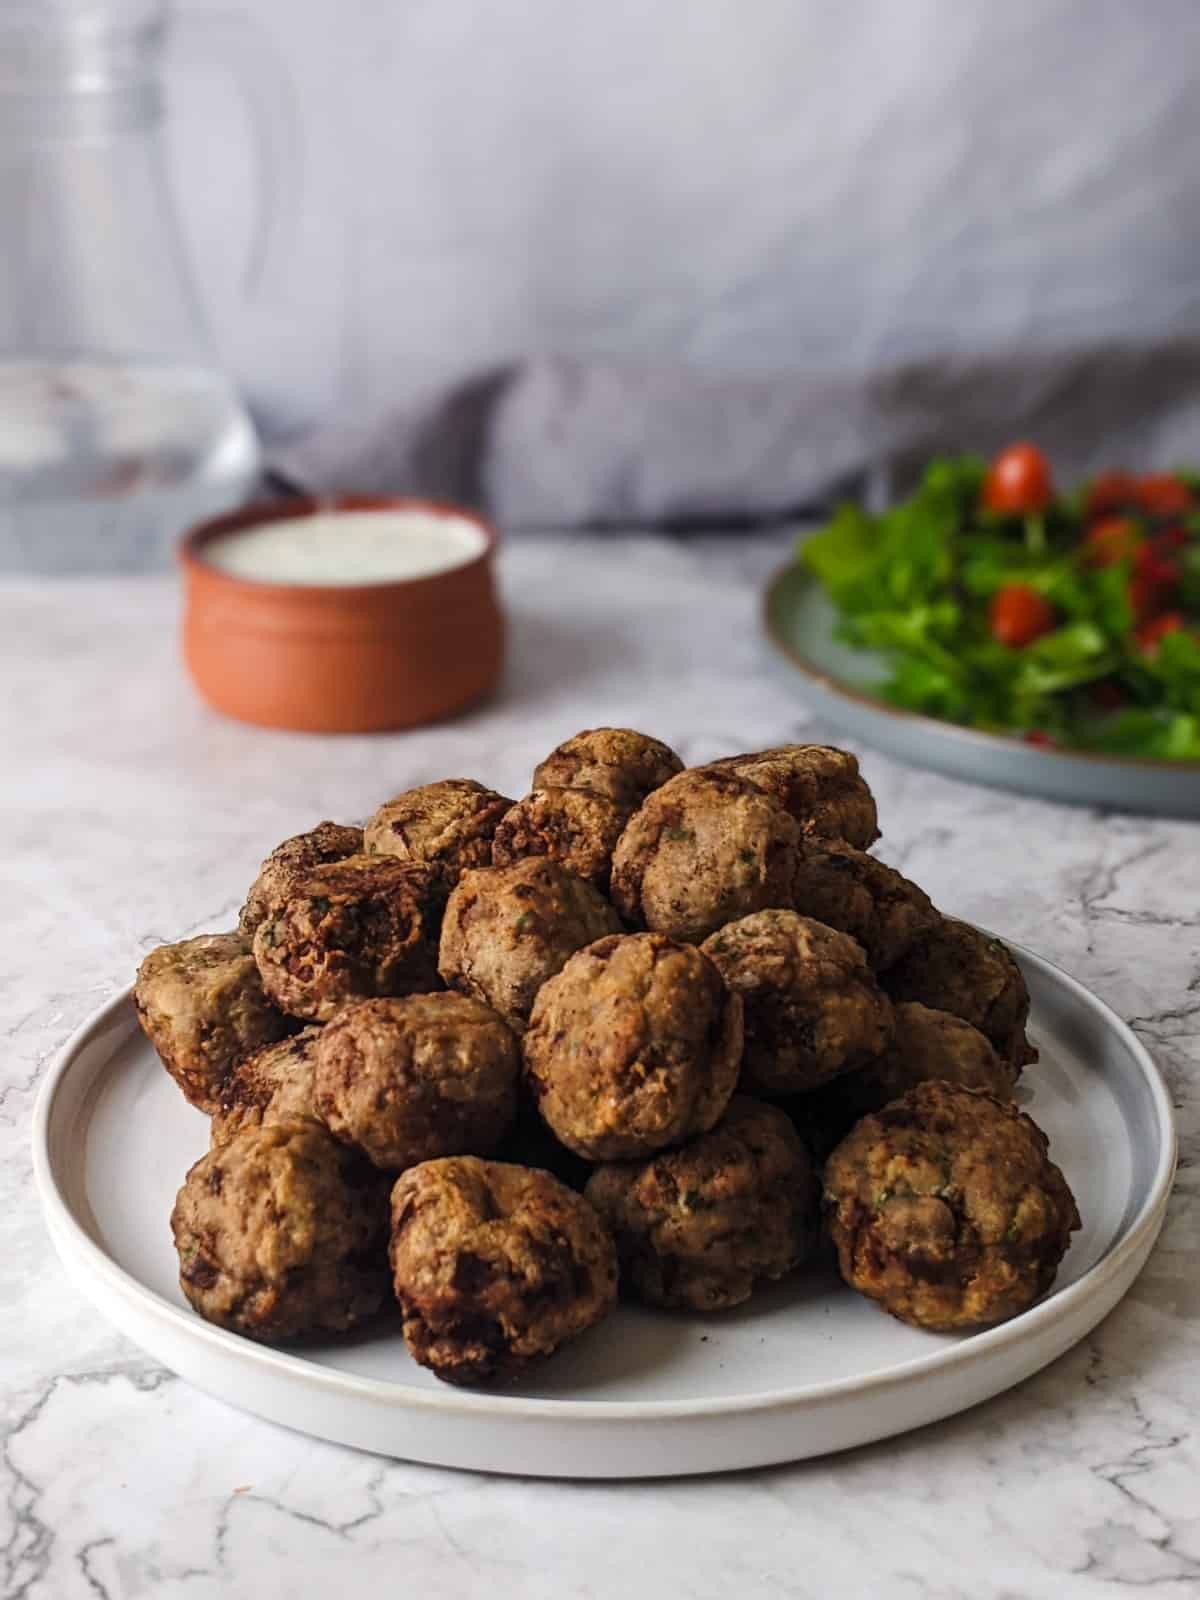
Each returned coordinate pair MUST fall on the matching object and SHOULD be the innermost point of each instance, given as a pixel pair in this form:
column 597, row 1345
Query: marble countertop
column 131, row 816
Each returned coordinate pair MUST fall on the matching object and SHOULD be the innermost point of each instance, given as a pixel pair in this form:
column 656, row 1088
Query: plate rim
column 1048, row 756
column 71, row 1239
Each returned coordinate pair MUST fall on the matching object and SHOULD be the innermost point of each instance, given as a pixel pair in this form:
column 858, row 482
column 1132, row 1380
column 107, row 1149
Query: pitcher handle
column 232, row 41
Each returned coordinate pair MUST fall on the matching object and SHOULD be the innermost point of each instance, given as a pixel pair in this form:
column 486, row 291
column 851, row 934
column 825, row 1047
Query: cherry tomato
column 1018, row 482
column 1044, row 741
column 1018, row 615
column 1111, row 491
column 1164, row 496
column 1111, row 540
column 1150, row 635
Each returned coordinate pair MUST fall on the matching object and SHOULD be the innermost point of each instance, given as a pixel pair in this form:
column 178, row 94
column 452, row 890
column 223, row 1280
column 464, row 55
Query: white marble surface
column 131, row 815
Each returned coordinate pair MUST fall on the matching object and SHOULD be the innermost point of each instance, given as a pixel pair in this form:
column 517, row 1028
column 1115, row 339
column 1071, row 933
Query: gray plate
column 841, row 685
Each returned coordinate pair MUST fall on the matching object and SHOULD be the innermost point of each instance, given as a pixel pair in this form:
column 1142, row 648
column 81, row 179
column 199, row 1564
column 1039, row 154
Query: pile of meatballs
column 646, row 1027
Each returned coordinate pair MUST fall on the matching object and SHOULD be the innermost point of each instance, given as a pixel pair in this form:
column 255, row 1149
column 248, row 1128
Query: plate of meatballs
column 648, row 1124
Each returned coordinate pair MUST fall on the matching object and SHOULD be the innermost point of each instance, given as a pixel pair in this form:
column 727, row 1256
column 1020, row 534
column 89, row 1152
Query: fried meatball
column 812, row 1006
column 351, row 930
column 705, row 848
column 956, row 968
column 508, row 929
column 698, row 1227
column 449, row 824
column 619, row 762
column 575, row 827
column 817, row 785
column 273, row 1085
column 282, row 1232
column 634, row 1046
column 494, row 1267
column 328, row 841
column 946, row 1209
column 408, row 1080
column 202, row 1005
column 851, row 891
column 926, row 1045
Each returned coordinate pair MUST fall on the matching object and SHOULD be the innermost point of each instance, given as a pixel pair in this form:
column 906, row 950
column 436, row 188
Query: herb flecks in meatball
column 448, row 824
column 495, row 1267
column 619, row 762
column 202, row 1005
column 634, row 1046
column 509, row 929
column 946, row 1209
column 575, row 827
column 328, row 841
column 812, row 1006
column 698, row 1227
column 704, row 849
column 408, row 1080
column 282, row 1232
column 352, row 930
column 819, row 786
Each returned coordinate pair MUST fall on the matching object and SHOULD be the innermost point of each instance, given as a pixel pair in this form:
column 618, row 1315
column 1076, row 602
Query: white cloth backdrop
column 743, row 188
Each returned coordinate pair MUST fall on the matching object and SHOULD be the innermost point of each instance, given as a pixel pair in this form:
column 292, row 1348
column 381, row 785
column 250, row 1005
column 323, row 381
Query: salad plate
column 843, row 685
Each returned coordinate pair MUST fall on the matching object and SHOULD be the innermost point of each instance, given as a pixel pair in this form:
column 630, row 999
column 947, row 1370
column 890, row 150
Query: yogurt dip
column 340, row 549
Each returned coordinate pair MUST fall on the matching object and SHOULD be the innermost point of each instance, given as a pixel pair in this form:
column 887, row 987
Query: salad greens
column 1108, row 670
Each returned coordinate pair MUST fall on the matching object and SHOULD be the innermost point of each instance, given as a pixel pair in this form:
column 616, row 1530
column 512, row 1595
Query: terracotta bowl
column 322, row 659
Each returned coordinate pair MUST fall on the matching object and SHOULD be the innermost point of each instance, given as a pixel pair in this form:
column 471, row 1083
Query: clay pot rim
column 252, row 515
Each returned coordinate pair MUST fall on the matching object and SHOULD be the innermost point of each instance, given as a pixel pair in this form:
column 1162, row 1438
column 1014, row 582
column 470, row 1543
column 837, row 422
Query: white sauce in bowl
column 342, row 548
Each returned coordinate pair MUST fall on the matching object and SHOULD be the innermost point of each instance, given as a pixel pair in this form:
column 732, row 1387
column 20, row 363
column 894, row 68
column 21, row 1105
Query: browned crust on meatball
column 620, row 762
column 956, row 968
column 282, row 1232
column 408, row 1080
column 275, row 1084
column 352, row 930
column 634, row 1046
column 202, row 1005
column 328, row 841
column 494, row 1267
column 508, row 929
column 819, row 786
column 946, row 1209
column 700, row 1226
column 575, row 827
column 448, row 824
column 704, row 849
column 812, row 1006
column 853, row 892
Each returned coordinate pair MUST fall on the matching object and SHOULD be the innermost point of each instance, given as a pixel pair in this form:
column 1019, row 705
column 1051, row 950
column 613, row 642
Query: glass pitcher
column 117, row 427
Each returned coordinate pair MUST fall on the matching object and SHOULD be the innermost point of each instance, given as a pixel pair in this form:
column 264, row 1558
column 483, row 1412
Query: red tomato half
column 1111, row 491
column 1018, row 615
column 1018, row 482
column 1164, row 496
column 1151, row 634
column 1111, row 540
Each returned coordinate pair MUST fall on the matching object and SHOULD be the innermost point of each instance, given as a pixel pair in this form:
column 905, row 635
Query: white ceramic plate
column 807, row 1367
